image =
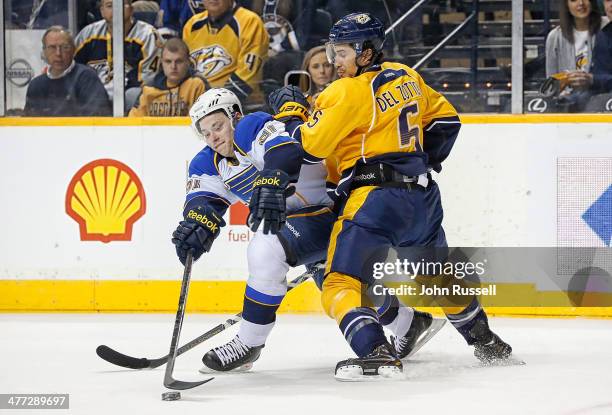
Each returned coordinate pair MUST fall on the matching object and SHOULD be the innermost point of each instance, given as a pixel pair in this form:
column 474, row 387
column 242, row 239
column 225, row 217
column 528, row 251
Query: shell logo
column 105, row 197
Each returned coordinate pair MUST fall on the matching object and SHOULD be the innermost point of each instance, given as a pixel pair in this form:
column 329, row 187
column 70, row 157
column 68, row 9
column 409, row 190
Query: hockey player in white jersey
column 253, row 159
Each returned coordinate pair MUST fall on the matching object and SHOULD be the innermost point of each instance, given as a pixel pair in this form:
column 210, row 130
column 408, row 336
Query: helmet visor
column 330, row 52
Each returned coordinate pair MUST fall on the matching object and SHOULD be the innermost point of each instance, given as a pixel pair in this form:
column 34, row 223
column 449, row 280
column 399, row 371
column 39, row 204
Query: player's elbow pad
column 287, row 158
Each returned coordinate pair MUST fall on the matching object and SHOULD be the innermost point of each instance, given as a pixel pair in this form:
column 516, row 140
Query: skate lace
column 399, row 343
column 231, row 351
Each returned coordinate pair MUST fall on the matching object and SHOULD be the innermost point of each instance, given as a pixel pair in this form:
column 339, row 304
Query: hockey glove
column 288, row 103
column 197, row 232
column 268, row 201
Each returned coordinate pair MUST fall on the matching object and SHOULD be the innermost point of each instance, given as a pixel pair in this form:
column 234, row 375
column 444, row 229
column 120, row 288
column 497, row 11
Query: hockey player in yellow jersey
column 387, row 129
column 229, row 45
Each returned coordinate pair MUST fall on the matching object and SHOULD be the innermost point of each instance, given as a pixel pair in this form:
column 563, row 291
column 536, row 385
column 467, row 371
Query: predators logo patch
column 211, row 60
column 362, row 18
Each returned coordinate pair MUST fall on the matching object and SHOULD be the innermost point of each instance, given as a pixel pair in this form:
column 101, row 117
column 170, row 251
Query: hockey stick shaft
column 169, row 381
column 120, row 359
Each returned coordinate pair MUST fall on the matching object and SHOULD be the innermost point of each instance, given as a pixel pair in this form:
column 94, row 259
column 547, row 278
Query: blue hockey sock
column 465, row 320
column 389, row 310
column 260, row 308
column 362, row 330
column 259, row 315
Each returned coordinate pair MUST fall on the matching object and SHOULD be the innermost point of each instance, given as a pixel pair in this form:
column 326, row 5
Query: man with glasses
column 67, row 88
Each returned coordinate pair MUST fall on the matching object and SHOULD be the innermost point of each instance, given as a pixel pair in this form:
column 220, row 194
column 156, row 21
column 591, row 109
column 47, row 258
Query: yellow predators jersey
column 230, row 51
column 386, row 114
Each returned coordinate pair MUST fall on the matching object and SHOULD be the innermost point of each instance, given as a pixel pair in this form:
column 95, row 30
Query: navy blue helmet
column 361, row 30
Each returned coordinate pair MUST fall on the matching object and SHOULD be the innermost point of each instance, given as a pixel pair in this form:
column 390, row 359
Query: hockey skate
column 489, row 348
column 382, row 363
column 422, row 329
column 234, row 356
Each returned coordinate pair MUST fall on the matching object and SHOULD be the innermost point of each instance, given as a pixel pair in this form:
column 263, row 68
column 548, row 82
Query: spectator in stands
column 148, row 11
column 569, row 47
column 141, row 53
column 174, row 89
column 67, row 88
column 322, row 73
column 293, row 24
column 229, row 44
column 177, row 12
column 602, row 55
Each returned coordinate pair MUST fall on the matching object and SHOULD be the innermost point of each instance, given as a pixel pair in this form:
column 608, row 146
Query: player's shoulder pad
column 248, row 128
column 203, row 163
column 343, row 91
column 396, row 66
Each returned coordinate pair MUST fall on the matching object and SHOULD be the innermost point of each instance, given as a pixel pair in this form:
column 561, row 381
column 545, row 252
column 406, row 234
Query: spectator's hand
column 580, row 79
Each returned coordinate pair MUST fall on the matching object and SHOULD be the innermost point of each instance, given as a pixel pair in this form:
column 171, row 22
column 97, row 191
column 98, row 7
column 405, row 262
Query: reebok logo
column 202, row 219
column 267, row 181
column 292, row 229
column 368, row 176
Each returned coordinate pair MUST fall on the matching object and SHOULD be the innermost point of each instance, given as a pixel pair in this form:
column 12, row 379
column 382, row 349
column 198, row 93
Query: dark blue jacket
column 602, row 60
column 78, row 94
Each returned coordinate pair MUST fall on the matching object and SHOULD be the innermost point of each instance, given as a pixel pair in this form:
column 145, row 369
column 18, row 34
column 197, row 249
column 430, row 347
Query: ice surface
column 568, row 371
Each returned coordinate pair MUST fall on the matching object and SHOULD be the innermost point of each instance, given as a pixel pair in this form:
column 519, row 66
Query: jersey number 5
column 408, row 135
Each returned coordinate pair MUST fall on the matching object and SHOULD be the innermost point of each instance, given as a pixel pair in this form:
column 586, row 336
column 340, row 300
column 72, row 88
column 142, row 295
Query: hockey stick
column 169, row 381
column 120, row 359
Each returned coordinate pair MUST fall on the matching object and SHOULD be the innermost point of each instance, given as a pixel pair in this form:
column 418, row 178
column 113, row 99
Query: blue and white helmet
column 361, row 30
column 213, row 100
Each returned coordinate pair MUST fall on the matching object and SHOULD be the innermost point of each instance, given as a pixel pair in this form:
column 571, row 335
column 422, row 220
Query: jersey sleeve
column 253, row 51
column 205, row 186
column 150, row 56
column 441, row 126
column 339, row 109
column 266, row 143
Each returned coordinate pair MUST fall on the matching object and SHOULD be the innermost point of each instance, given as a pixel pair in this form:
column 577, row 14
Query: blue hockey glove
column 197, row 232
column 268, row 201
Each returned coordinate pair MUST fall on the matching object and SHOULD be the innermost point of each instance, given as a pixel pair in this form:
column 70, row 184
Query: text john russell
column 434, row 290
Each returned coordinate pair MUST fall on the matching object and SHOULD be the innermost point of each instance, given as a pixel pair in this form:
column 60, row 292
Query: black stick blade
column 119, row 359
column 182, row 385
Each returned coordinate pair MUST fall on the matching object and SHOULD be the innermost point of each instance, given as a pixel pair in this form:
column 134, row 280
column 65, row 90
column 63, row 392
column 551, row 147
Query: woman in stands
column 322, row 73
column 569, row 47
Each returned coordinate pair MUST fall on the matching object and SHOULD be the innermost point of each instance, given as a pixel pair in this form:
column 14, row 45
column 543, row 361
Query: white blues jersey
column 223, row 181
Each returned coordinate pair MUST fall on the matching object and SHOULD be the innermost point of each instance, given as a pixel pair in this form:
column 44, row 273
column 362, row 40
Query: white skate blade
column 436, row 325
column 244, row 368
column 354, row 373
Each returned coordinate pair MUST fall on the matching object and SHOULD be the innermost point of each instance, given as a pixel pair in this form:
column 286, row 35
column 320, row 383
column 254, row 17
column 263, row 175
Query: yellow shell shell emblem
column 105, row 197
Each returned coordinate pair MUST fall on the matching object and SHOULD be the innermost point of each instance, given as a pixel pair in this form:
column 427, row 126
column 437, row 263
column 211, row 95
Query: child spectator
column 67, row 89
column 94, row 48
column 175, row 89
column 228, row 44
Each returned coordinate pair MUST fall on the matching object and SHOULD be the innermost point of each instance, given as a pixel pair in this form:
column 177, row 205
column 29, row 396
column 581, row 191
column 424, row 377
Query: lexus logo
column 608, row 105
column 537, row 105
